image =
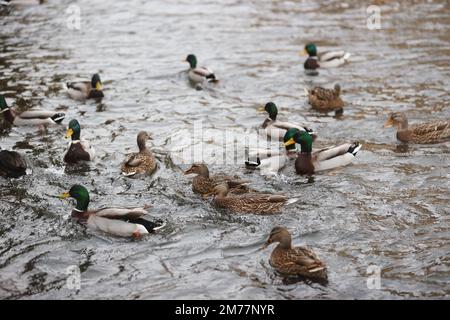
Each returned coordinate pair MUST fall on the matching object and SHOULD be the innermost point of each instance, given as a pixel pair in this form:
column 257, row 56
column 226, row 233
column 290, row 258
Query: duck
column 142, row 162
column 31, row 117
column 204, row 183
column 423, row 133
column 124, row 222
column 294, row 261
column 309, row 161
column 12, row 164
column 198, row 75
column 272, row 161
column 79, row 149
column 253, row 202
column 276, row 129
column 82, row 90
column 326, row 100
column 327, row 59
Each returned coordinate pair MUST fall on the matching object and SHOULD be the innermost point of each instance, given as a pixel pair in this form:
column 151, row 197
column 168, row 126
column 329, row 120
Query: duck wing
column 330, row 55
column 306, row 258
column 322, row 93
column 430, row 127
column 84, row 86
column 121, row 213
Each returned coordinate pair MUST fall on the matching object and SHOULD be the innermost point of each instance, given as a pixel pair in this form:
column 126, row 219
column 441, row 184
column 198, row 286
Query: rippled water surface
column 389, row 208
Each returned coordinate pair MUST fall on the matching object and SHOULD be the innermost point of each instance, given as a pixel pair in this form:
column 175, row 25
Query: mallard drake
column 198, row 75
column 271, row 161
column 31, row 117
column 325, row 59
column 124, row 222
column 276, row 129
column 309, row 162
column 79, row 149
column 257, row 203
column 294, row 261
column 326, row 100
column 204, row 183
column 12, row 164
column 81, row 90
column 424, row 133
column 142, row 162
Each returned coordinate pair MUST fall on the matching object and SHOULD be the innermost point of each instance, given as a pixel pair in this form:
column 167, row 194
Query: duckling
column 31, row 117
column 294, row 261
column 276, row 129
column 326, row 59
column 424, row 133
column 124, row 222
column 204, row 183
column 198, row 75
column 12, row 164
column 326, row 100
column 81, row 90
column 79, row 149
column 142, row 162
column 309, row 162
column 257, row 203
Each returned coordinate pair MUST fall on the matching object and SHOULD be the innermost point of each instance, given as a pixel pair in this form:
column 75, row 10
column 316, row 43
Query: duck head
column 142, row 138
column 272, row 110
column 73, row 130
column 96, row 82
column 303, row 138
column 397, row 119
column 80, row 194
column 221, row 190
column 281, row 235
column 310, row 49
column 192, row 59
column 198, row 168
column 3, row 104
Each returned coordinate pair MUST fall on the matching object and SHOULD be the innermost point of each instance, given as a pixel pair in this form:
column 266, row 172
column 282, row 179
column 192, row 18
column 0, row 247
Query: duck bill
column 303, row 53
column 389, row 123
column 291, row 141
column 188, row 171
column 69, row 133
column 261, row 109
column 98, row 86
column 64, row 195
column 266, row 244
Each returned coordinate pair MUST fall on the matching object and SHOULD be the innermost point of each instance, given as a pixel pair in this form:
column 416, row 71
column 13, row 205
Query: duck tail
column 252, row 164
column 354, row 148
column 292, row 201
column 58, row 117
column 150, row 226
column 212, row 78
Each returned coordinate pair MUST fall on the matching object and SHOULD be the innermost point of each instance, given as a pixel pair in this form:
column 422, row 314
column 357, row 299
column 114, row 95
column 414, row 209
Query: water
column 390, row 208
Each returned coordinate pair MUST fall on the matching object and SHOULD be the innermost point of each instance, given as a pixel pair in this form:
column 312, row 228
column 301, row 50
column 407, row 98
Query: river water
column 387, row 211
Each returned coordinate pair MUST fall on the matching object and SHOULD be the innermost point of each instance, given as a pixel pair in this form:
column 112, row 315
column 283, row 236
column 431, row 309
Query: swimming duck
column 424, row 133
column 257, row 203
column 276, row 129
column 204, row 183
column 31, row 117
column 198, row 75
column 325, row 59
column 294, row 261
column 79, row 149
column 124, row 222
column 142, row 162
column 271, row 161
column 309, row 162
column 81, row 90
column 12, row 164
column 326, row 100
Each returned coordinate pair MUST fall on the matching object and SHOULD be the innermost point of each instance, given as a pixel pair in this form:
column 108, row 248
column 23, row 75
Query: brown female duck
column 142, row 162
column 294, row 261
column 204, row 183
column 326, row 100
column 257, row 203
column 424, row 133
column 12, row 164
